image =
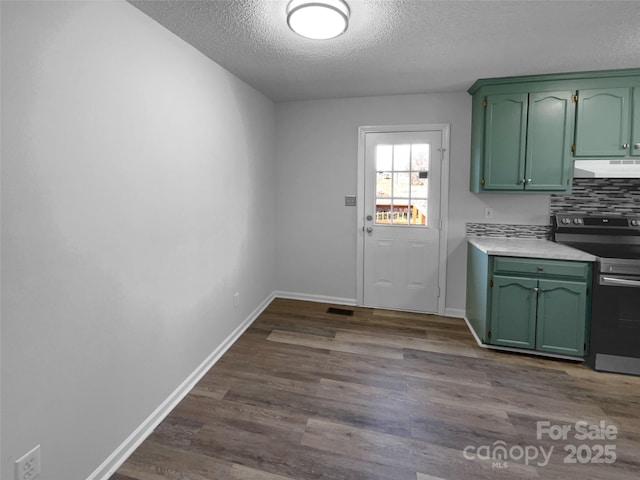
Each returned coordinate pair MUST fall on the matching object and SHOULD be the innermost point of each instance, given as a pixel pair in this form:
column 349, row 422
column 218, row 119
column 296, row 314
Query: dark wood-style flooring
column 382, row 395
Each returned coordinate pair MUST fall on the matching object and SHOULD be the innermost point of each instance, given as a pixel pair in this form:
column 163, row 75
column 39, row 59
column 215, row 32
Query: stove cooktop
column 631, row 252
column 606, row 237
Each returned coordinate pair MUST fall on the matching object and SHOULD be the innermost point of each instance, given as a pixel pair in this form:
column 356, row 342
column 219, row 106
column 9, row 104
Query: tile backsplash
column 590, row 196
column 507, row 230
column 600, row 196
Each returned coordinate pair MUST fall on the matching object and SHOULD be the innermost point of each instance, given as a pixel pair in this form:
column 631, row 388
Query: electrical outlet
column 488, row 212
column 236, row 299
column 28, row 467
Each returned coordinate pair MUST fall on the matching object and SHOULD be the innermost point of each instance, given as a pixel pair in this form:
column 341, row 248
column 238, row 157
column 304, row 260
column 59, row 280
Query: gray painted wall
column 142, row 185
column 137, row 197
column 317, row 147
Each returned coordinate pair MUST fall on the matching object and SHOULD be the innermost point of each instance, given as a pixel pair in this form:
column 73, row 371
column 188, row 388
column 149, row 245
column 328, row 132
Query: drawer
column 541, row 267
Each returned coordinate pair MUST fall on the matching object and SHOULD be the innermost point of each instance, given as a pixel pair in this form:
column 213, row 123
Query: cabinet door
column 513, row 312
column 602, row 125
column 635, row 116
column 505, row 141
column 561, row 317
column 549, row 138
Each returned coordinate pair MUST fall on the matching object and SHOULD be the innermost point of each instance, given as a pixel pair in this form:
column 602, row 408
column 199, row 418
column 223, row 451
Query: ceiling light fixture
column 318, row 19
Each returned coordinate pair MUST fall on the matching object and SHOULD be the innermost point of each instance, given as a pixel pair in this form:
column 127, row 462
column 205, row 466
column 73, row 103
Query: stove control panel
column 580, row 221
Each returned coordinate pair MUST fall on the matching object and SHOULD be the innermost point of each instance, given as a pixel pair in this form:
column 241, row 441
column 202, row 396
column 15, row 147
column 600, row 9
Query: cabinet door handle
column 535, row 289
column 625, row 146
column 529, row 180
column 637, row 146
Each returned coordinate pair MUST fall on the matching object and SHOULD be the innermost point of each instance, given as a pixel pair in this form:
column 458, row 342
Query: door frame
column 444, row 129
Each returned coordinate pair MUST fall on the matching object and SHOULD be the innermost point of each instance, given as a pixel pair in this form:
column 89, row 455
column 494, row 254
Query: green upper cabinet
column 549, row 139
column 526, row 131
column 527, row 141
column 603, row 122
column 635, row 131
column 505, row 138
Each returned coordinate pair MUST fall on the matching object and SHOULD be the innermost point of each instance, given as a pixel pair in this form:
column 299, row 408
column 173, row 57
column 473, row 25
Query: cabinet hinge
column 482, row 181
column 489, row 334
column 485, row 103
column 491, row 283
column 567, row 182
column 573, row 147
column 574, row 98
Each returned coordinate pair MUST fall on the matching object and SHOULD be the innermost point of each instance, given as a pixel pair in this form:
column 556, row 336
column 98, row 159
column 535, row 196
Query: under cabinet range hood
column 627, row 168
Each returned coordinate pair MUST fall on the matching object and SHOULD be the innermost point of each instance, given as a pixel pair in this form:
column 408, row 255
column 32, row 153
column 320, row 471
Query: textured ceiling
column 405, row 46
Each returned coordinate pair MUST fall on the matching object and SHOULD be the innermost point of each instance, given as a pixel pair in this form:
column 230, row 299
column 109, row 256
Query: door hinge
column 574, row 98
column 485, row 103
column 489, row 334
column 491, row 283
column 573, row 147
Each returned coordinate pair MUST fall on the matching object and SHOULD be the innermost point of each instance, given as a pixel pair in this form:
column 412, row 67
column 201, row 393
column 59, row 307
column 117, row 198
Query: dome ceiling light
column 318, row 19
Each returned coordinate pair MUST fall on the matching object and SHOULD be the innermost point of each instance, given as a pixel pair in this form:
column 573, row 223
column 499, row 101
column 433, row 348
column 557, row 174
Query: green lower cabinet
column 561, row 317
column 539, row 305
column 528, row 304
column 513, row 312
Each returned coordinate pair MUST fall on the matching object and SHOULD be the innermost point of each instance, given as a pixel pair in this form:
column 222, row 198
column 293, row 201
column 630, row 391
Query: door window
column 402, row 184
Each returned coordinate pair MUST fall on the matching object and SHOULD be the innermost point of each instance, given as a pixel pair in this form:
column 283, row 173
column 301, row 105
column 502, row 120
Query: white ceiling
column 405, row 46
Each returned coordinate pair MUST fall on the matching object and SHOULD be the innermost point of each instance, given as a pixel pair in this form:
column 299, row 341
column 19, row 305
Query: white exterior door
column 402, row 220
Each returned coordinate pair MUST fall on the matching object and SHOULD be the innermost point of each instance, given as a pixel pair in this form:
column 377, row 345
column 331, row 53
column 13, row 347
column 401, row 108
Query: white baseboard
column 133, row 441
column 454, row 312
column 315, row 298
column 449, row 312
column 126, row 448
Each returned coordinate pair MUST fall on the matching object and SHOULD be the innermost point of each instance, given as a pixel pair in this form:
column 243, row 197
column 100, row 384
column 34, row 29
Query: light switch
column 350, row 201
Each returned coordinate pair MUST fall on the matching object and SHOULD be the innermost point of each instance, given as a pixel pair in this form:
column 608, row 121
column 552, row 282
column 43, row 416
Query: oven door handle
column 622, row 282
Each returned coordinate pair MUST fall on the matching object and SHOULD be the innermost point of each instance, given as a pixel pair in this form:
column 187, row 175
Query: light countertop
column 528, row 247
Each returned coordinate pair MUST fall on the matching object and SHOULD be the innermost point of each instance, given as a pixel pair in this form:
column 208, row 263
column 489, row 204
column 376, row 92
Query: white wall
column 137, row 197
column 317, row 145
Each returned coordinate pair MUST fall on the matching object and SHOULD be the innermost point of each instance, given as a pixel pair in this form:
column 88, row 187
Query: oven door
column 615, row 324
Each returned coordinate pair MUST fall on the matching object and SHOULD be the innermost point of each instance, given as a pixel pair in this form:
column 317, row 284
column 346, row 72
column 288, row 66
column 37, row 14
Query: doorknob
column 369, row 229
